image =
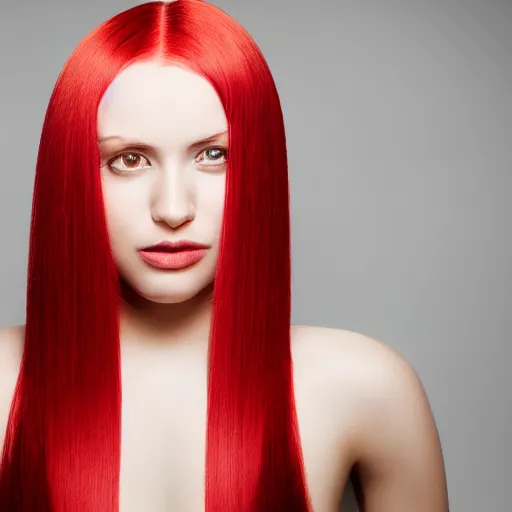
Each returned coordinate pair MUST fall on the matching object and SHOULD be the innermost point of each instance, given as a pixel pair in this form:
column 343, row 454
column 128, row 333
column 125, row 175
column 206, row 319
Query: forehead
column 160, row 104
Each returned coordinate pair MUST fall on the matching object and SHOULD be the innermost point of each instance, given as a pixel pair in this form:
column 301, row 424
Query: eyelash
column 128, row 152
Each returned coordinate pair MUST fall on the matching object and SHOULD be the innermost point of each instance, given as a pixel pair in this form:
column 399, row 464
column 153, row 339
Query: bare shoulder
column 11, row 348
column 364, row 361
column 395, row 440
column 381, row 382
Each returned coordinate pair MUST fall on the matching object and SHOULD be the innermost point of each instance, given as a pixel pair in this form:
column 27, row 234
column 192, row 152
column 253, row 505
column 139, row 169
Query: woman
column 159, row 266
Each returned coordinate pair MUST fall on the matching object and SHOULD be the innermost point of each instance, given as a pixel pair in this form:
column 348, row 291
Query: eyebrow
column 211, row 138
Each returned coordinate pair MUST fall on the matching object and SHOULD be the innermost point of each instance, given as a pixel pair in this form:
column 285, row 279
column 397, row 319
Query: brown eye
column 129, row 162
column 131, row 159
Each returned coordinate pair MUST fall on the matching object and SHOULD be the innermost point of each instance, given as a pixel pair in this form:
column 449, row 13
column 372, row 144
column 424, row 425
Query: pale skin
column 360, row 405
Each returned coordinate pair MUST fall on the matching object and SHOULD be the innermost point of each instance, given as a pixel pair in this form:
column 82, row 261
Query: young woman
column 157, row 369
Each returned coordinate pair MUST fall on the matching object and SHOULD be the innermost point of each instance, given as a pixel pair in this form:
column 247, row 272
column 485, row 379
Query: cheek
column 210, row 200
column 124, row 209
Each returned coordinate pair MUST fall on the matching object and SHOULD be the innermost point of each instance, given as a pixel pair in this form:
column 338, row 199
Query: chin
column 167, row 296
column 164, row 290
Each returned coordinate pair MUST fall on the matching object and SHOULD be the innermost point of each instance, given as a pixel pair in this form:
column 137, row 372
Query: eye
column 212, row 156
column 128, row 162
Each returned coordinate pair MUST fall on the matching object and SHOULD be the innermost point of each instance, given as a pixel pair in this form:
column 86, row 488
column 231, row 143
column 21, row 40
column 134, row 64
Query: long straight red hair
column 62, row 447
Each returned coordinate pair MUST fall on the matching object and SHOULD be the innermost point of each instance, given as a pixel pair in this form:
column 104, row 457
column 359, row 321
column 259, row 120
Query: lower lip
column 172, row 260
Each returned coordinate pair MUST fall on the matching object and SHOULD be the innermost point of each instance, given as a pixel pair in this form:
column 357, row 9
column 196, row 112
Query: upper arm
column 11, row 346
column 399, row 464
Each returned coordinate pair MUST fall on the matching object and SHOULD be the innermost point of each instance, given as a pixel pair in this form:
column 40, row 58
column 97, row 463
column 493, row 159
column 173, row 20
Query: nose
column 173, row 200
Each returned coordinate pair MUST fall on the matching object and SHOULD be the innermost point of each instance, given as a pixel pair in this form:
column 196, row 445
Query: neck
column 147, row 323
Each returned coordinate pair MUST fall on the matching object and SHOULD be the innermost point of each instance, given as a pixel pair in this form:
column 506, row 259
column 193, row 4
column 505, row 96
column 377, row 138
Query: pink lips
column 173, row 255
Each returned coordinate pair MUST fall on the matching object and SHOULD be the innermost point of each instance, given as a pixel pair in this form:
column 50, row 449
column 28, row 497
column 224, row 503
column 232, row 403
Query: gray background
column 398, row 117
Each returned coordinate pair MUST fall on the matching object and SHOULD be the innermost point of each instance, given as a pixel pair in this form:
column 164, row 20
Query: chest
column 163, row 435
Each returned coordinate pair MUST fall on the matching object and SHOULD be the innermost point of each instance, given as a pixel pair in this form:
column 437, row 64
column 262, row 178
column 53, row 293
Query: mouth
column 173, row 255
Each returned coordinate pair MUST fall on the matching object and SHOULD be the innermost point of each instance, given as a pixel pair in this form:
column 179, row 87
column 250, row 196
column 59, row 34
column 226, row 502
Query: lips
column 179, row 245
column 177, row 255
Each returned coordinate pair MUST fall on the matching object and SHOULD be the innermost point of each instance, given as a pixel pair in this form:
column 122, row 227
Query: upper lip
column 179, row 245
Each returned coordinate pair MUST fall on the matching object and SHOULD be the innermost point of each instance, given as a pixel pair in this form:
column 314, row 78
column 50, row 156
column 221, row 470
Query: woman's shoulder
column 375, row 395
column 11, row 349
column 378, row 390
column 343, row 348
column 356, row 369
column 11, row 342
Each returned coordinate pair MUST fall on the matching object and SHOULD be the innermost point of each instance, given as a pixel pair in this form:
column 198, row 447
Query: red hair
column 62, row 447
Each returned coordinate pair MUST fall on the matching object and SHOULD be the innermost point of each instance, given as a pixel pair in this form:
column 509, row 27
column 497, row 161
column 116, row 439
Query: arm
column 399, row 464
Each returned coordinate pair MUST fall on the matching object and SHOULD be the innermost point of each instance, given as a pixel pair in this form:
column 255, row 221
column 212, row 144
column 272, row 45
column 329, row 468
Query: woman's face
column 162, row 135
